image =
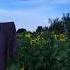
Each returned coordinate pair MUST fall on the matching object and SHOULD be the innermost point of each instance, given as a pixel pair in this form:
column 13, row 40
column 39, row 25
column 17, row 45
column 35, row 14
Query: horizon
column 29, row 14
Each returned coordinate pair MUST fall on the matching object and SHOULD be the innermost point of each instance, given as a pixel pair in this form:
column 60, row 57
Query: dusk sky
column 29, row 14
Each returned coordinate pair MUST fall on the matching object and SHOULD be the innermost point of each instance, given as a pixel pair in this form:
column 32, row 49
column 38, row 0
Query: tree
column 57, row 26
column 21, row 30
column 39, row 29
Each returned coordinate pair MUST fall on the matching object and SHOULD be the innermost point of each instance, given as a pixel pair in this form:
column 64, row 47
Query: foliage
column 47, row 48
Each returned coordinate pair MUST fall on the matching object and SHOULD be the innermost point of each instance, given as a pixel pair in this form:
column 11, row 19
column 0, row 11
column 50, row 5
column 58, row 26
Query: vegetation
column 46, row 48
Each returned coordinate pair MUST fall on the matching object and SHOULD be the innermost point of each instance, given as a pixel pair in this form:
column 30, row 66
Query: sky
column 30, row 14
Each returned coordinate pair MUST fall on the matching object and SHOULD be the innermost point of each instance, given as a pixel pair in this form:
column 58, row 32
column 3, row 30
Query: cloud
column 60, row 1
column 26, row 14
column 23, row 19
column 31, row 13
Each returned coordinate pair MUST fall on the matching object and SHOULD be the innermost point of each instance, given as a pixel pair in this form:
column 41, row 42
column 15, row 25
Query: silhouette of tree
column 57, row 26
column 39, row 29
column 21, row 30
